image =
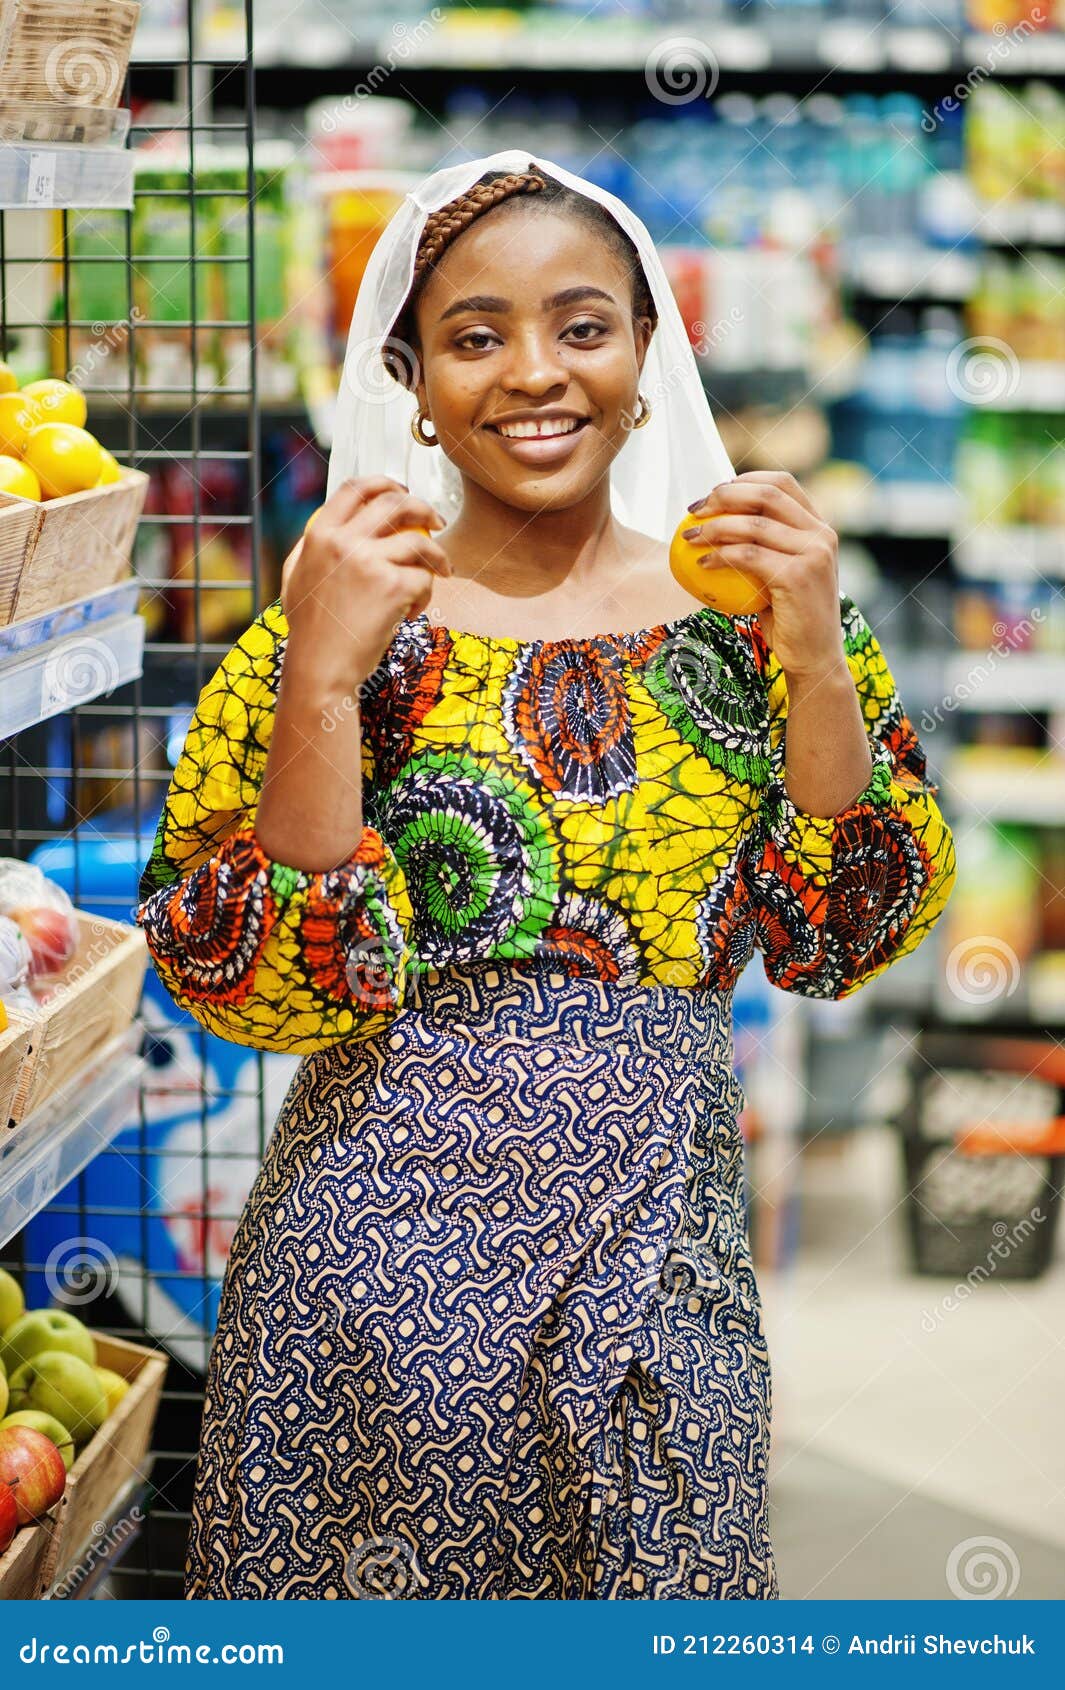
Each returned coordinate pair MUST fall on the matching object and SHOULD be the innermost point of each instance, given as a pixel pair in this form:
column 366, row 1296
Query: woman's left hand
column 764, row 524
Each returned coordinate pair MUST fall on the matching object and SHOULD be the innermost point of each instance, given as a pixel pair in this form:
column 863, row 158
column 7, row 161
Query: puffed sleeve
column 837, row 899
column 258, row 952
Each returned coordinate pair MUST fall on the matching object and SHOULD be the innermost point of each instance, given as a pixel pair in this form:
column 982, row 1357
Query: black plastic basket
column 966, row 1218
column 975, row 1213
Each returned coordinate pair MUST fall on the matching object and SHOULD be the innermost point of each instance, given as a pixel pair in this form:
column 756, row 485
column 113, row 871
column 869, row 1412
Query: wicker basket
column 62, row 549
column 99, row 990
column 55, row 52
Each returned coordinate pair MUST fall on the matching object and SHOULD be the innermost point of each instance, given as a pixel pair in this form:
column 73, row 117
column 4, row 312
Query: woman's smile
column 548, row 437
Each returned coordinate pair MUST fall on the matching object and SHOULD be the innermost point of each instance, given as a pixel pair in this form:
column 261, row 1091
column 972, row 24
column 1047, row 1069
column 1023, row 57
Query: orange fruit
column 17, row 416
column 111, row 471
column 58, row 401
column 67, row 459
column 723, row 588
column 8, row 378
column 18, row 478
column 315, row 514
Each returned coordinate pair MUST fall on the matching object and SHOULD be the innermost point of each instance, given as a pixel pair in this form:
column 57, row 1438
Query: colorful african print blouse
column 611, row 805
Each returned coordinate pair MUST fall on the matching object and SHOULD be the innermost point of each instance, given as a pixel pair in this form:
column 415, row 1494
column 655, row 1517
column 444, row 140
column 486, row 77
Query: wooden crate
column 25, row 1569
column 62, row 549
column 53, row 52
column 96, row 998
column 19, row 522
column 117, row 1452
column 16, row 1046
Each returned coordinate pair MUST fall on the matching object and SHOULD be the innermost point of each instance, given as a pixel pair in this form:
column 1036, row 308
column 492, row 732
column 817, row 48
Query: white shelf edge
column 58, row 1140
column 47, row 680
column 65, row 176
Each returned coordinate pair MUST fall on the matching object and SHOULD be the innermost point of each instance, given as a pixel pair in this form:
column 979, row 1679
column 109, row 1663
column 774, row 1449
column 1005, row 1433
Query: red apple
column 32, row 1466
column 51, row 935
column 8, row 1517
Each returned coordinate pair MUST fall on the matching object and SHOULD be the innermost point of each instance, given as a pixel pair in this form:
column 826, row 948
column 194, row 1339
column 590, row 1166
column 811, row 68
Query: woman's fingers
column 413, row 550
column 783, row 479
column 758, row 495
column 415, row 584
column 390, row 511
column 354, row 493
column 756, row 561
column 736, row 527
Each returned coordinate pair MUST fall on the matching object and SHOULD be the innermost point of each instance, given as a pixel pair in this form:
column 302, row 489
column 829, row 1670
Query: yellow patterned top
column 610, row 805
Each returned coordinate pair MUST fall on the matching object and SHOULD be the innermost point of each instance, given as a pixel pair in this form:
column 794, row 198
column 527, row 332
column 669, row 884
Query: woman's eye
column 478, row 335
column 586, row 330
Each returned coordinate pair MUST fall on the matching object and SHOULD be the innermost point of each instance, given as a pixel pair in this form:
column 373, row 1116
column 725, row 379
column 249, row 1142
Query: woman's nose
column 534, row 364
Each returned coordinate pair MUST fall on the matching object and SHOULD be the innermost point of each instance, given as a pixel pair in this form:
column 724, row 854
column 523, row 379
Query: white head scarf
column 676, row 457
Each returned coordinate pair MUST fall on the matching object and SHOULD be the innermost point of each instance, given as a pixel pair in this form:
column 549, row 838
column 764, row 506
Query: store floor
column 904, row 1431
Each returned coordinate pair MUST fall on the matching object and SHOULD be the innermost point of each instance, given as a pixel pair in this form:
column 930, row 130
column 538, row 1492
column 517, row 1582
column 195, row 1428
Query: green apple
column 46, row 1329
column 114, row 1384
column 4, row 1394
column 62, row 1385
column 12, row 1302
column 50, row 1426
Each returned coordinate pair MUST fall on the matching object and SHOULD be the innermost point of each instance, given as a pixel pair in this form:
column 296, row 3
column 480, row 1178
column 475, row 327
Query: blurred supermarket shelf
column 218, row 40
column 1042, row 53
column 74, row 1125
column 1018, row 222
column 1019, row 680
column 906, row 509
column 1030, row 385
column 1018, row 552
column 901, row 272
column 48, row 679
column 1007, row 784
column 541, row 39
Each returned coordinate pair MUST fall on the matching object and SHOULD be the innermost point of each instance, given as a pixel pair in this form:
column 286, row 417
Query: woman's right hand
column 357, row 571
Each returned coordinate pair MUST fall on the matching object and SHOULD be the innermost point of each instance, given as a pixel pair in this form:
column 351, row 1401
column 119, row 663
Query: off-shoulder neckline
column 510, row 642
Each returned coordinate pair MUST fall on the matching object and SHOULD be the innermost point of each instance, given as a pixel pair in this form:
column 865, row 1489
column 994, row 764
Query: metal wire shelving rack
column 95, row 775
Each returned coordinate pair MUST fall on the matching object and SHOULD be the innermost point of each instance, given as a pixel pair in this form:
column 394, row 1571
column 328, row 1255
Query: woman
column 484, row 818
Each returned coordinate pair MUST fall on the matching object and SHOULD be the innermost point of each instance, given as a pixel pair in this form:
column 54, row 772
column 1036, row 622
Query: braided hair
column 496, row 187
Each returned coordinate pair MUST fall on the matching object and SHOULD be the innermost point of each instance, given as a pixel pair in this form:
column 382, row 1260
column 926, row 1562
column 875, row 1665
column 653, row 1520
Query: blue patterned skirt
column 489, row 1325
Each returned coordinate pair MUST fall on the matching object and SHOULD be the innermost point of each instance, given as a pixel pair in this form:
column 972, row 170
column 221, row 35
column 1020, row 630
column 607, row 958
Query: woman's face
column 527, row 320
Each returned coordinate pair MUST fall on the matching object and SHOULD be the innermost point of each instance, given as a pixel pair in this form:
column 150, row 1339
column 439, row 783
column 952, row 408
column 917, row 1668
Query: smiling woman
column 489, row 1326
column 531, row 392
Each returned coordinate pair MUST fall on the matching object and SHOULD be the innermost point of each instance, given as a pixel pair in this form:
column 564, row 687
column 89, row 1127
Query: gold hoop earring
column 645, row 412
column 417, row 423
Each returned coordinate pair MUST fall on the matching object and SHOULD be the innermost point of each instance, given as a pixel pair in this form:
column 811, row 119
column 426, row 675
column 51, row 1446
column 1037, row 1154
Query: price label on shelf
column 40, row 185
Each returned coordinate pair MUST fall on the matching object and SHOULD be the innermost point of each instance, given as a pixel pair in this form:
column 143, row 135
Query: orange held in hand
column 316, row 514
column 720, row 586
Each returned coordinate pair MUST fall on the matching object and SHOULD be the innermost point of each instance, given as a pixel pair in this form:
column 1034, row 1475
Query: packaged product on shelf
column 992, row 923
column 276, row 371
column 166, row 236
column 355, row 216
column 211, row 553
column 98, row 299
